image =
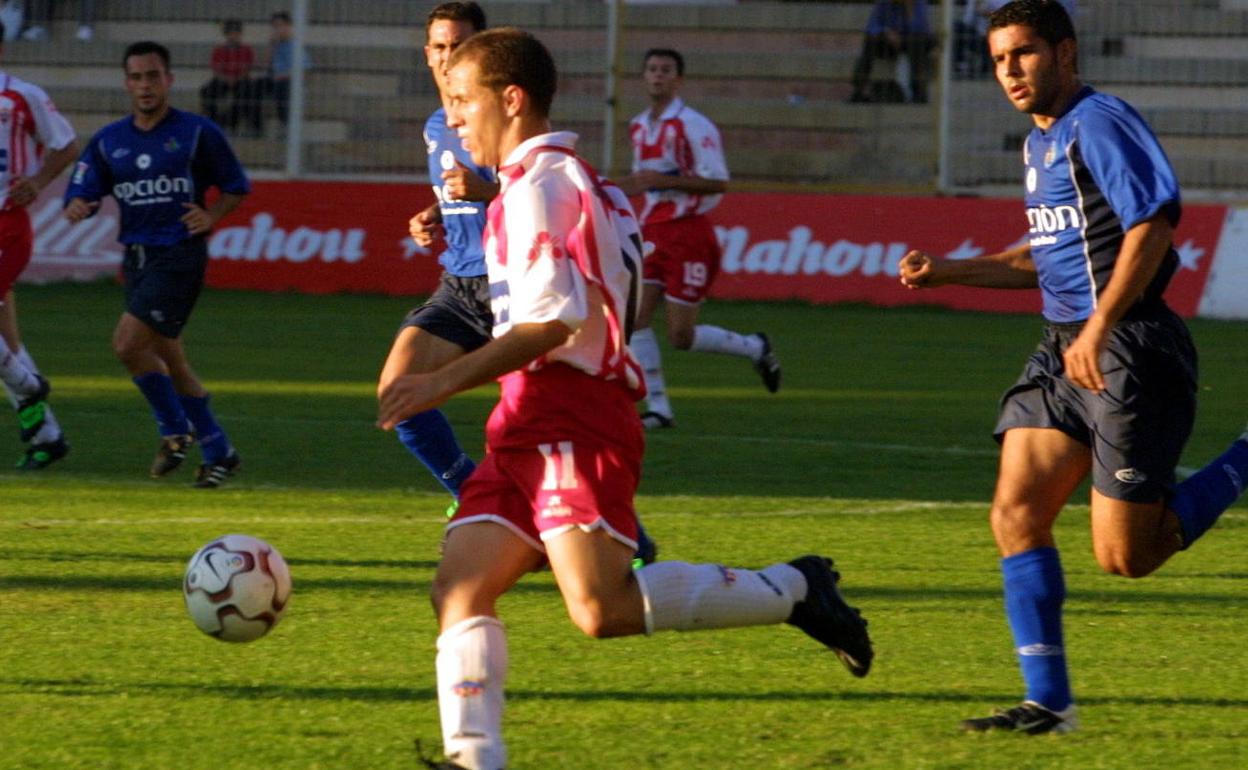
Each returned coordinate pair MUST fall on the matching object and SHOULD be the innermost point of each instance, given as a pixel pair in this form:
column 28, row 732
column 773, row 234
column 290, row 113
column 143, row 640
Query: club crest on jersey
column 144, row 161
column 171, row 145
column 1050, row 156
column 545, row 245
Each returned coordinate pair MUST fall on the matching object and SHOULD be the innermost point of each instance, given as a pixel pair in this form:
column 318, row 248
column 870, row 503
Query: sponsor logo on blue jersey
column 1046, row 222
column 145, row 191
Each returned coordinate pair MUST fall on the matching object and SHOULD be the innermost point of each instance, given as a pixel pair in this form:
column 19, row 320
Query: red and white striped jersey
column 29, row 125
column 562, row 244
column 681, row 142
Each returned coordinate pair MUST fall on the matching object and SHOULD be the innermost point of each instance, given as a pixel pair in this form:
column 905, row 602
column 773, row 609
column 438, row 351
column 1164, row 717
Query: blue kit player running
column 1111, row 389
column 457, row 319
column 157, row 164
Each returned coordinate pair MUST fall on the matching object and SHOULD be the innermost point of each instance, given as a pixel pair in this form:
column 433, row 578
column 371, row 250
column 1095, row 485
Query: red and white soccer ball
column 236, row 588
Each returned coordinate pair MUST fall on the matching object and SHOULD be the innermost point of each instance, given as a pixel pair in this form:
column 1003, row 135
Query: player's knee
column 447, row 595
column 1126, row 562
column 592, row 617
column 127, row 350
column 1011, row 522
column 681, row 339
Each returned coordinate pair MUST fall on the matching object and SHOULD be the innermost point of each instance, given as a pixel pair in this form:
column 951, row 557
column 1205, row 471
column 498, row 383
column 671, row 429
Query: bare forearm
column 226, row 203
column 1143, row 249
column 517, row 348
column 54, row 163
column 694, row 184
column 1010, row 269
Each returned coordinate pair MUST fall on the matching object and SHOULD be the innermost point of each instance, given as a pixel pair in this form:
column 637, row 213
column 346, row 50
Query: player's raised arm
column 1009, row 269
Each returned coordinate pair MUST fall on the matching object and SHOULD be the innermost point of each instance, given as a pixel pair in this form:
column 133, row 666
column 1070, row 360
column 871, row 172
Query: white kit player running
column 38, row 143
column 564, row 443
column 678, row 162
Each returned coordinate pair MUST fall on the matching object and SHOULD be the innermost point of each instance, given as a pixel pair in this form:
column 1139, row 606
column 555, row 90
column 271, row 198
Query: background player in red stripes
column 678, row 163
column 38, row 143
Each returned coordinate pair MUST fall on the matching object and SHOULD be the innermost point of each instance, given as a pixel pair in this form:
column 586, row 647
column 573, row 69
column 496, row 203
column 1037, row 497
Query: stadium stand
column 773, row 75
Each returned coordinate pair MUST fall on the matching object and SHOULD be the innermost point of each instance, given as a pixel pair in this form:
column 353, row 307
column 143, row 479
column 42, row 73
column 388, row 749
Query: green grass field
column 875, row 452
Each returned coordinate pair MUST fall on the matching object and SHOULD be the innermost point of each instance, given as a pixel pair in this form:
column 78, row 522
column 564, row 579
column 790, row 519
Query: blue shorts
column 1137, row 426
column 162, row 283
column 458, row 312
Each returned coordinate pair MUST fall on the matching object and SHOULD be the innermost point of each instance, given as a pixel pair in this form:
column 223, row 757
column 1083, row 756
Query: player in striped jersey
column 38, row 143
column 456, row 319
column 565, row 442
column 1110, row 392
column 678, row 163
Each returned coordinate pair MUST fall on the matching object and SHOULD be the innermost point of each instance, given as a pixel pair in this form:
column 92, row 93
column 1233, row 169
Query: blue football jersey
column 153, row 173
column 464, row 220
column 1097, row 172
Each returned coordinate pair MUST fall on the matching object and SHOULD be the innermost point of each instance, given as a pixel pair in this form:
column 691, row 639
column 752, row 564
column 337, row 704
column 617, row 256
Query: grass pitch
column 876, row 452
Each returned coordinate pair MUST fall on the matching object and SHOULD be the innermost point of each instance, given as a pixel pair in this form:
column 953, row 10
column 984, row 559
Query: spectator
column 231, row 69
column 896, row 27
column 39, row 17
column 281, row 60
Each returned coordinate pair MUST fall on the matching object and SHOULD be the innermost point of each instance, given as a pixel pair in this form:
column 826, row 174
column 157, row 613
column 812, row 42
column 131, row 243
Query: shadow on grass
column 157, row 558
column 1181, row 602
column 135, row 583
column 88, row 688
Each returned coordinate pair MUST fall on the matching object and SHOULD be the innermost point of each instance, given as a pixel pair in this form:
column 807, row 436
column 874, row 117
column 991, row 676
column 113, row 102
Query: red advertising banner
column 321, row 237
column 832, row 248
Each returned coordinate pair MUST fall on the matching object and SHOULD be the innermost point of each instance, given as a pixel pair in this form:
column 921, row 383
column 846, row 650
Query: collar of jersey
column 561, row 141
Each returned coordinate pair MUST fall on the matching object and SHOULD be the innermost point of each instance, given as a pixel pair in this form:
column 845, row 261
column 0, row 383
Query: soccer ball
column 236, row 588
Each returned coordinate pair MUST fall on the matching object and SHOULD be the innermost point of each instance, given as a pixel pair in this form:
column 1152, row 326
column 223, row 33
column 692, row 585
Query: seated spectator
column 281, row 61
column 39, row 18
column 231, row 94
column 896, row 27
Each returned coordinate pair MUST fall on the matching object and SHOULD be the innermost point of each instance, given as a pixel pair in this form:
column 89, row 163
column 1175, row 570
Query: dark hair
column 508, row 56
column 1, row 30
column 1047, row 17
column 280, row 16
column 458, row 10
column 666, row 53
column 232, row 25
column 143, row 48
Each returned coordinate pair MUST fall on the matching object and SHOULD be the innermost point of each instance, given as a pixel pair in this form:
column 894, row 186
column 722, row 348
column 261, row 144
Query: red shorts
column 16, row 242
column 571, row 457
column 685, row 259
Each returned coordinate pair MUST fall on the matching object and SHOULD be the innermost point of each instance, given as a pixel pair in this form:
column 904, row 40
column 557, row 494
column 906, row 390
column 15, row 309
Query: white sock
column 472, row 667
column 16, row 374
column 689, row 597
column 51, row 429
column 713, row 339
column 646, row 348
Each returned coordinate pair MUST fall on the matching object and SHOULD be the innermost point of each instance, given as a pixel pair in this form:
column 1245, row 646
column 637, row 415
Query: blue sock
column 212, row 439
column 158, row 389
column 1034, row 592
column 429, row 436
column 1201, row 499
